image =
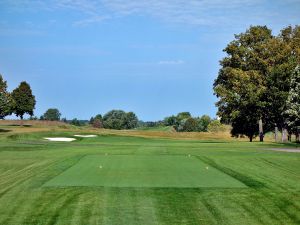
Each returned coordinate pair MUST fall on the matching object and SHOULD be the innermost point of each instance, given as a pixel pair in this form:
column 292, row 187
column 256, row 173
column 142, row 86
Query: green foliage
column 5, row 99
column 118, row 119
column 292, row 114
column 184, row 122
column 96, row 121
column 183, row 115
column 203, row 123
column 171, row 121
column 75, row 122
column 52, row 115
column 253, row 81
column 131, row 120
column 23, row 100
column 216, row 126
column 190, row 125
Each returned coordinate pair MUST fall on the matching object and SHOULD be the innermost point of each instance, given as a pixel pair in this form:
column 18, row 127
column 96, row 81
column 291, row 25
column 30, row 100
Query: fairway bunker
column 159, row 171
column 85, row 136
column 61, row 139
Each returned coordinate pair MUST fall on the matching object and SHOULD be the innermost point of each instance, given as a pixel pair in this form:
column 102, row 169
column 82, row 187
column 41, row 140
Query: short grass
column 28, row 165
column 144, row 171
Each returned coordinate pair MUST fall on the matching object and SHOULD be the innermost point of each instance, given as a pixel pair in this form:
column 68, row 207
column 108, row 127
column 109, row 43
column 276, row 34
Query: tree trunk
column 276, row 134
column 297, row 137
column 284, row 135
column 251, row 137
column 21, row 123
column 261, row 131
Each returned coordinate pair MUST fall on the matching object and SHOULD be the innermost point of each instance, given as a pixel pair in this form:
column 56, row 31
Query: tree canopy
column 118, row 119
column 23, row 100
column 5, row 99
column 292, row 114
column 52, row 114
column 253, row 82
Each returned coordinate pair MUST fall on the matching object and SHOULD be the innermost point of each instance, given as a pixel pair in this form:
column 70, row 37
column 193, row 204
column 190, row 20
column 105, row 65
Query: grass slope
column 27, row 163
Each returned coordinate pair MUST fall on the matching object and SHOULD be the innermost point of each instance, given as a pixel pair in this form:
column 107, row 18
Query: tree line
column 19, row 102
column 119, row 120
column 184, row 122
column 259, row 80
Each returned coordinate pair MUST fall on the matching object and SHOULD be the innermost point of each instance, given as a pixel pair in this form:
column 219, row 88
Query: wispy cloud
column 171, row 62
column 189, row 12
column 91, row 20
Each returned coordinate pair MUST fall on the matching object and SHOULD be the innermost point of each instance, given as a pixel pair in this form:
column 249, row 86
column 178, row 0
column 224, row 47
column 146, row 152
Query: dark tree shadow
column 4, row 130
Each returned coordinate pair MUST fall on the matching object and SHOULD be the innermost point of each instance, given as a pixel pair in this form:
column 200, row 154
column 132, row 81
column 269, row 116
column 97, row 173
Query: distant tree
column 91, row 121
column 5, row 99
column 98, row 116
column 216, row 126
column 171, row 121
column 118, row 119
column 33, row 118
column 97, row 123
column 183, row 115
column 203, row 122
column 130, row 121
column 52, row 114
column 75, row 122
column 64, row 120
column 23, row 100
column 190, row 125
column 114, row 119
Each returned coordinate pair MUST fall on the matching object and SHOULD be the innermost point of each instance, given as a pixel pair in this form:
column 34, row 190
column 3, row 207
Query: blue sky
column 153, row 57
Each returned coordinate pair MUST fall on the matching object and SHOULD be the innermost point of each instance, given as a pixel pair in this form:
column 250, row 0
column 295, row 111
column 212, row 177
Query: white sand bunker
column 61, row 139
column 85, row 136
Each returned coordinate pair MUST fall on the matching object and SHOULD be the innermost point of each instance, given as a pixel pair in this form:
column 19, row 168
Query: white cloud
column 188, row 12
column 86, row 22
column 171, row 62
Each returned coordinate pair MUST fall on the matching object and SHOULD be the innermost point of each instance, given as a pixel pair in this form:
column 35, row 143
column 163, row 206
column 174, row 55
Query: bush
column 118, row 119
column 97, row 123
column 216, row 126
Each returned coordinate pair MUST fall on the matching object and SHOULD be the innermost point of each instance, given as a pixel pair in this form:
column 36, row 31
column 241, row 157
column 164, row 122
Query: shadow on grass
column 248, row 181
column 4, row 130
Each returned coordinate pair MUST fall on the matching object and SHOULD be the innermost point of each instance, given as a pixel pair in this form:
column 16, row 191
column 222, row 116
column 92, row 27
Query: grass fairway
column 145, row 181
column 144, row 171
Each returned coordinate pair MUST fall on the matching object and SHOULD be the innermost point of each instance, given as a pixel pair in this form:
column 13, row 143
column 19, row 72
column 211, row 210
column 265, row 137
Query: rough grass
column 27, row 163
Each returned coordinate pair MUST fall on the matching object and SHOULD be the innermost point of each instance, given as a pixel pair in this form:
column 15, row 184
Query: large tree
column 283, row 57
column 253, row 82
column 5, row 99
column 241, row 81
column 292, row 114
column 52, row 114
column 23, row 100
